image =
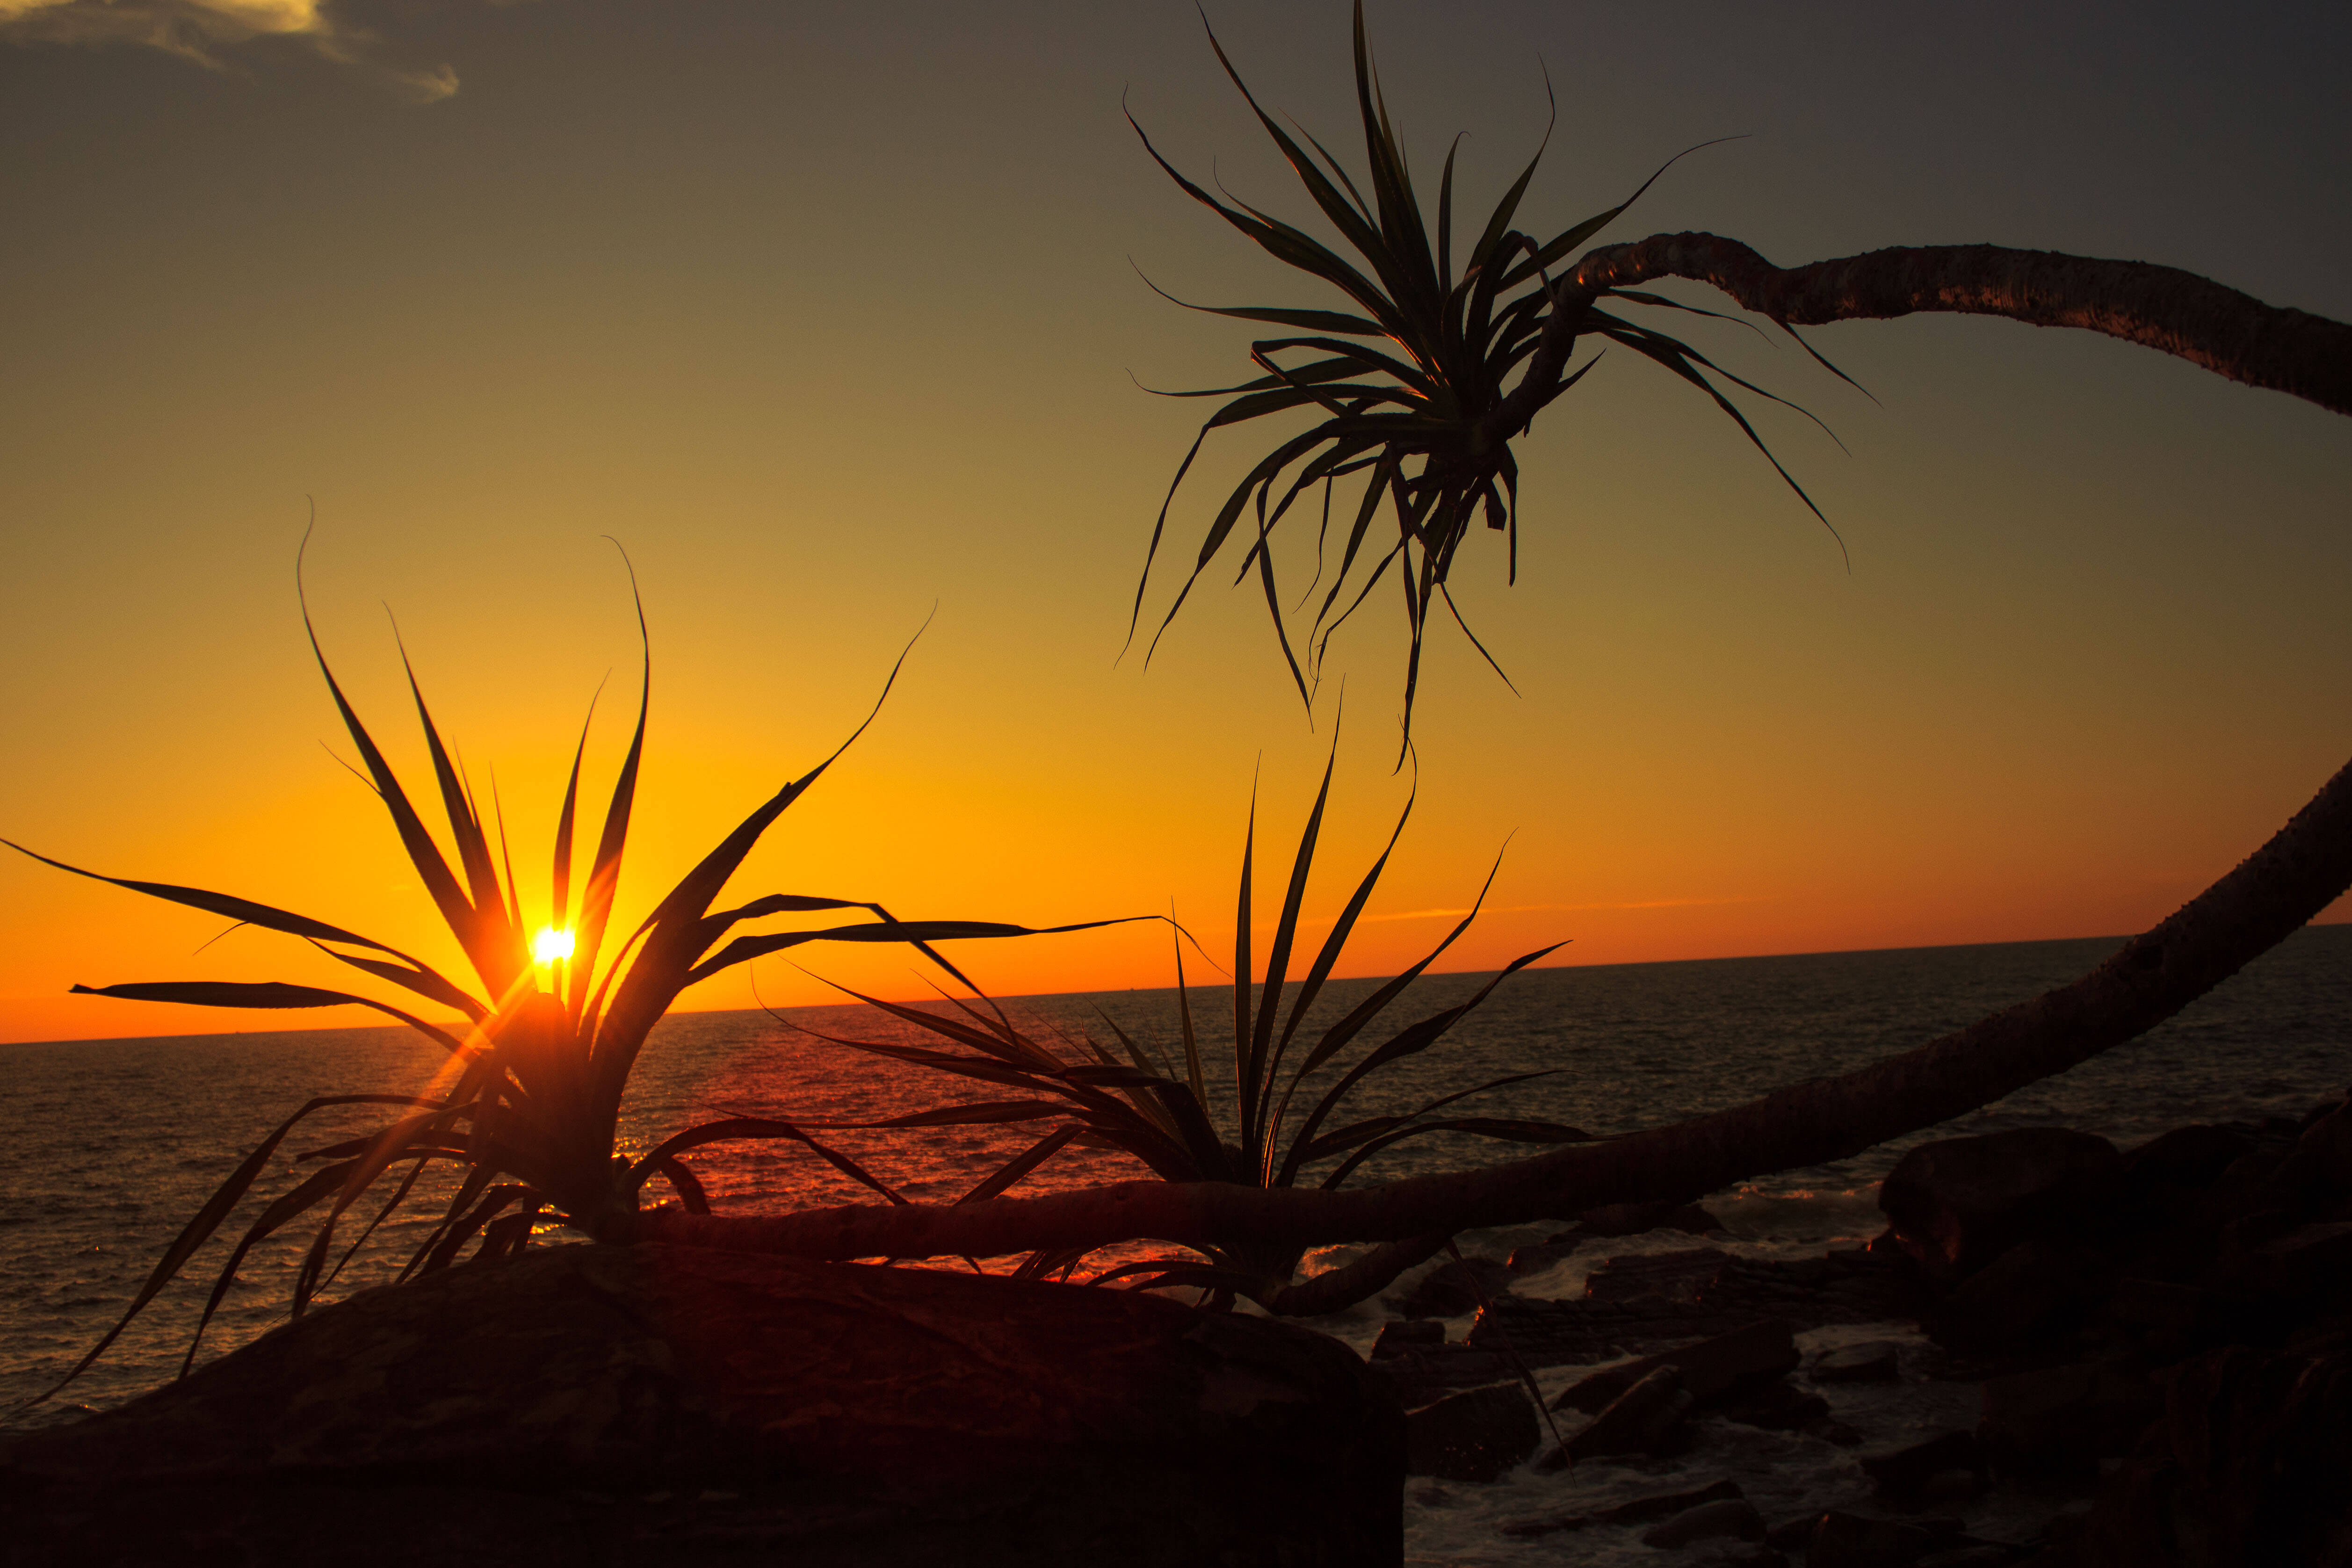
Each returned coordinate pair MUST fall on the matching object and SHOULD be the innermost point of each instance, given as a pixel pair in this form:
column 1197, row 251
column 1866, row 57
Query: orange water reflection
column 703, row 1067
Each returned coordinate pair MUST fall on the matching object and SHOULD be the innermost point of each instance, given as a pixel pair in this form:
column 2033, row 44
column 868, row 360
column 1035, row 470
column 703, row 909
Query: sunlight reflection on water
column 115, row 1143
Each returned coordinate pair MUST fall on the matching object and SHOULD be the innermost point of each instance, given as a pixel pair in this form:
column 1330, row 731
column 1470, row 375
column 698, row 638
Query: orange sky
column 830, row 318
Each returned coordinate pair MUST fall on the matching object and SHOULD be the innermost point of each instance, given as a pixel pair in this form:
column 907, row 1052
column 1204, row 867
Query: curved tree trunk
column 2207, row 323
column 2298, row 873
column 2306, row 866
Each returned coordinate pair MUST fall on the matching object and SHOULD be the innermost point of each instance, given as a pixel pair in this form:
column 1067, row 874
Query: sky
column 835, row 316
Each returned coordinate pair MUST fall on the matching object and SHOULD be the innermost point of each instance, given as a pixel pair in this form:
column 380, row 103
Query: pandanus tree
column 1280, row 1121
column 1410, row 383
column 527, row 1107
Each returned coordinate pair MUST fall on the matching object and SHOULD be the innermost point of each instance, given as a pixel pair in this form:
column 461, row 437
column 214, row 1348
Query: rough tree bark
column 2163, row 308
column 2303, row 869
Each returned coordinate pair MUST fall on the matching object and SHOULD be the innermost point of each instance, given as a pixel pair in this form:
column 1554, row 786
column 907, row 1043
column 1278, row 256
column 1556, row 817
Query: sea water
column 113, row 1145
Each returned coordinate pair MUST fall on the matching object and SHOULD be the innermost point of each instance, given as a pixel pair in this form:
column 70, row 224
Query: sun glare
column 551, row 945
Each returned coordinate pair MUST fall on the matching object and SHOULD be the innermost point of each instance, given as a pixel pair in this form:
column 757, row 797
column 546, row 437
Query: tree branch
column 2228, row 333
column 2303, row 869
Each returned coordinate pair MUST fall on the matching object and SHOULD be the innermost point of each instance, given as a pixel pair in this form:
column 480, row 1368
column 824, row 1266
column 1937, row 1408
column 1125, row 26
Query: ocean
column 117, row 1143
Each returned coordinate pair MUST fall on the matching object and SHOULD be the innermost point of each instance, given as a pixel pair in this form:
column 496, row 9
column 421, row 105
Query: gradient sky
column 830, row 313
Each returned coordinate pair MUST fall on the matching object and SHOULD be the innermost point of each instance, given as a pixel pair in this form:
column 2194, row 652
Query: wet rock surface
column 2120, row 1357
column 607, row 1405
column 1472, row 1437
column 1711, row 1371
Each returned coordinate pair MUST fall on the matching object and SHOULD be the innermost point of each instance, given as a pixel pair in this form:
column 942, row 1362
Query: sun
column 551, row 945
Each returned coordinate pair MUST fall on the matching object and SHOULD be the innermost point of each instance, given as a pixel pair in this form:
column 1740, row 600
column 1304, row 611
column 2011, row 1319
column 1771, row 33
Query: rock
column 2057, row 1422
column 834, row 1414
column 1952, row 1486
column 1472, row 1437
column 1877, row 1361
column 1832, row 1431
column 2182, row 1163
column 1775, row 1407
column 1958, row 1202
column 1846, row 1540
column 1904, row 1472
column 1451, row 1289
column 2313, row 1261
column 2249, row 1186
column 1621, row 1220
column 1666, row 1505
column 2325, row 1148
column 1398, row 1338
column 2246, row 1469
column 2173, row 1320
column 1983, row 1554
column 1538, row 1256
column 1420, row 1372
column 1711, row 1370
column 1677, row 1277
column 1638, row 1421
column 2035, row 1294
column 1639, row 1510
column 1732, row 1517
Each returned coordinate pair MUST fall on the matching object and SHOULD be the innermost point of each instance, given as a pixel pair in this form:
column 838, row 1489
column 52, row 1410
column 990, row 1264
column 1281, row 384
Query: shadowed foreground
column 653, row 1404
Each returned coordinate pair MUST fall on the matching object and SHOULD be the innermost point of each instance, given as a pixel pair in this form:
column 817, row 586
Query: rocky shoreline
column 2059, row 1354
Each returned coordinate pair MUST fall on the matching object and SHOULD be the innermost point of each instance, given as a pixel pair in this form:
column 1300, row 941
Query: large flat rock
column 674, row 1406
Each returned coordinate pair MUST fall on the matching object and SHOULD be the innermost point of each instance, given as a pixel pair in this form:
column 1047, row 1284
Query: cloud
column 205, row 31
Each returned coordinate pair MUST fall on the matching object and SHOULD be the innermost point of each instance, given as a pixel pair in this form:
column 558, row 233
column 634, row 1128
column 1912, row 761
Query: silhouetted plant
column 1138, row 1100
column 529, row 1101
column 1412, row 381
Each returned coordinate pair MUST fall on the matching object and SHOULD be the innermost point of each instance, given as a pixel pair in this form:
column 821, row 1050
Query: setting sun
column 551, row 945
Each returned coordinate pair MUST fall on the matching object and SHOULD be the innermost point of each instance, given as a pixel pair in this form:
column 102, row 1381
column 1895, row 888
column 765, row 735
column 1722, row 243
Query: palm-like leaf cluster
column 1136, row 1100
column 1411, row 383
column 528, row 1103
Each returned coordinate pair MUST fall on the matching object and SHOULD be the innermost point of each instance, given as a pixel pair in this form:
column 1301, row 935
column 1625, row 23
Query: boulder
column 1780, row 1406
column 1904, row 1473
column 2171, row 1321
column 1830, row 1431
column 1538, row 1256
column 2246, row 1469
column 2056, row 1423
column 1711, row 1370
column 1731, row 1517
column 1848, row 1541
column 1877, row 1361
column 1982, row 1554
column 2175, row 1167
column 1422, row 1373
column 1451, row 1289
column 2035, row 1294
column 677, row 1406
column 2324, row 1153
column 1641, row 1420
column 1403, row 1336
column 1637, row 1510
column 2309, row 1261
column 1472, row 1437
column 1670, row 1278
column 1958, row 1202
column 1621, row 1220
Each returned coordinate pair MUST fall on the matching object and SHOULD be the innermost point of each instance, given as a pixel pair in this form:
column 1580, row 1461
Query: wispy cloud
column 209, row 32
